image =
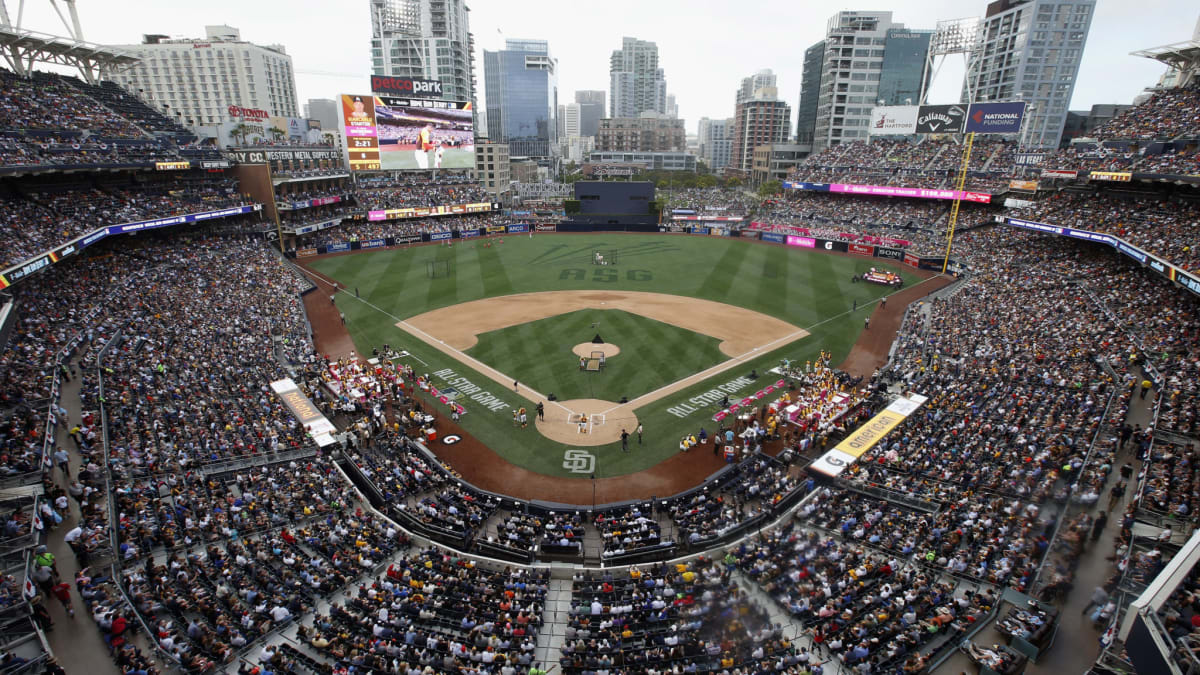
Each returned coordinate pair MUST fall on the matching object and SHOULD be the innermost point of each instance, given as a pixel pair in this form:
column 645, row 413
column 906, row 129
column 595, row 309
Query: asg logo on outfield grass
column 579, row 461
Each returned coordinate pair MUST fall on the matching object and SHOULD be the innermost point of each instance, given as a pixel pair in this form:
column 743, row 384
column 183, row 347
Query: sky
column 705, row 47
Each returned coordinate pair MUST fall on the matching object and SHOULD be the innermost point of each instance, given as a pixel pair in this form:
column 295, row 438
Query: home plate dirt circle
column 585, row 349
column 604, row 421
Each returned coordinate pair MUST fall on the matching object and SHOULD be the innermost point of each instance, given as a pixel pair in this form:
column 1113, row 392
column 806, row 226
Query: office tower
column 636, row 83
column 1030, row 50
column 591, row 110
column 762, row 120
column 426, row 39
column 521, row 87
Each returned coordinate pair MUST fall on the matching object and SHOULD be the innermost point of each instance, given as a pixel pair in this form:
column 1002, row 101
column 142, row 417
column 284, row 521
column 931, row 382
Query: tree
column 240, row 132
column 733, row 182
column 278, row 134
column 328, row 137
column 769, row 188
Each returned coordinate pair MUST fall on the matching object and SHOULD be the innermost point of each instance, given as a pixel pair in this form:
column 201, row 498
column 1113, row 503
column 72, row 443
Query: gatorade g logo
column 829, row 246
column 451, row 439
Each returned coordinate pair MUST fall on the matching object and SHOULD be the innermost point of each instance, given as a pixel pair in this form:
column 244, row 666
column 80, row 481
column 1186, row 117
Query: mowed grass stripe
column 491, row 270
column 721, row 275
column 772, row 289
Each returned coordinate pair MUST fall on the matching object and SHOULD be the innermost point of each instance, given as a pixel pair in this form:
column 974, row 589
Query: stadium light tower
column 22, row 47
column 951, row 37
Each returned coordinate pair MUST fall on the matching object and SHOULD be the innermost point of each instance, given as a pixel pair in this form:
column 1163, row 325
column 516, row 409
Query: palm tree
column 240, row 132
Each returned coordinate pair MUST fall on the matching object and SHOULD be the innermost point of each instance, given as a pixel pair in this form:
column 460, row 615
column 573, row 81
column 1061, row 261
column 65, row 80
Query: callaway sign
column 940, row 119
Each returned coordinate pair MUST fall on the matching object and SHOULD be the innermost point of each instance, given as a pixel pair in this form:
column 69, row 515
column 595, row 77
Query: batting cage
column 438, row 269
column 604, row 256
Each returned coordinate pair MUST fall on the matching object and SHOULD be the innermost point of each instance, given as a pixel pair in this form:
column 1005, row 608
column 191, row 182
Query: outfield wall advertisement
column 1164, row 268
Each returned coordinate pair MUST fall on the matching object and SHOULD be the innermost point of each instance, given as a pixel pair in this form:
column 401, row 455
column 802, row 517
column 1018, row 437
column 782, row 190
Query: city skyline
column 331, row 49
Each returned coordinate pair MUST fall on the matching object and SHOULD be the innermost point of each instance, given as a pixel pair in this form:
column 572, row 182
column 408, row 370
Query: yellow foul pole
column 958, row 188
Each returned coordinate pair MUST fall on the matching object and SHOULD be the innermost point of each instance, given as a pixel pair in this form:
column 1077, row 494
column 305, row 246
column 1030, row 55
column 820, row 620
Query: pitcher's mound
column 585, row 349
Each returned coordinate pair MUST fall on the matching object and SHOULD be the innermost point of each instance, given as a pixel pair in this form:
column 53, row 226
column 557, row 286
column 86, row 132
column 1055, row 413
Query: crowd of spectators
column 714, row 201
column 39, row 216
column 402, row 197
column 1156, row 225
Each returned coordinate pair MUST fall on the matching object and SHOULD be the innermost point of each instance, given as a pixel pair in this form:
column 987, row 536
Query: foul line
column 644, row 399
column 442, row 346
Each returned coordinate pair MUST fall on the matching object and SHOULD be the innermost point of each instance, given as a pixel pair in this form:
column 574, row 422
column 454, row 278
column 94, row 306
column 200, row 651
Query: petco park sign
column 405, row 86
column 248, row 113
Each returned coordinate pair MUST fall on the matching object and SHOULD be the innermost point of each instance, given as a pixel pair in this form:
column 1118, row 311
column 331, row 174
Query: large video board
column 390, row 133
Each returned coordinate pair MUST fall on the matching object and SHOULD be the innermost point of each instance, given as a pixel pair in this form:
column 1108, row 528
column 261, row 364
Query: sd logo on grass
column 579, row 461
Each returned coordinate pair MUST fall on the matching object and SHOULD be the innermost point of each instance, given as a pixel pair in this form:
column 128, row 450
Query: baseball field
column 501, row 324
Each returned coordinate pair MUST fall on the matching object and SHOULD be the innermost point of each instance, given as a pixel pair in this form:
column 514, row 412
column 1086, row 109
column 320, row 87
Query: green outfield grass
column 808, row 289
column 653, row 354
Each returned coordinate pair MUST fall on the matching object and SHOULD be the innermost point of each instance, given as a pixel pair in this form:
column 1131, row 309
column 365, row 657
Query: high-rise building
column 591, row 110
column 324, row 110
column 1030, row 50
column 521, row 86
column 672, row 106
column 763, row 78
column 636, row 83
column 568, row 120
column 492, row 168
column 649, row 133
column 761, row 120
column 716, row 142
column 810, row 92
column 851, row 71
column 206, row 81
column 905, row 52
column 428, row 39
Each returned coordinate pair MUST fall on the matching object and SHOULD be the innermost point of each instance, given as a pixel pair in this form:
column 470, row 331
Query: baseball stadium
column 272, row 404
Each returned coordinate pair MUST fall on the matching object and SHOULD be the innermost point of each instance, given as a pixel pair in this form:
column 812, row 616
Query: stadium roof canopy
column 1182, row 56
column 23, row 47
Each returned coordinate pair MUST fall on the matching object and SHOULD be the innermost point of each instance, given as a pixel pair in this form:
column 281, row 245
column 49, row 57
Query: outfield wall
column 898, row 255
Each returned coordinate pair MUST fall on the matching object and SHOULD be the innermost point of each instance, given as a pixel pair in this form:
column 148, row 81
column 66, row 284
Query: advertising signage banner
column 941, row 119
column 861, row 249
column 440, row 236
column 1119, row 176
column 892, row 253
column 920, row 193
column 1131, row 252
column 467, row 234
column 524, row 227
column 1059, row 173
column 215, row 164
column 337, row 248
column 800, row 185
column 995, row 118
column 1024, row 185
column 172, row 166
column 373, row 243
column 894, row 120
column 405, row 86
column 699, row 229
column 284, row 155
column 177, row 220
column 803, row 242
column 773, row 237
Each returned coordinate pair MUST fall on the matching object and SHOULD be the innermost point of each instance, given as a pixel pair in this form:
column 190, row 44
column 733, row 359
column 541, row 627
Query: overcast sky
column 705, row 46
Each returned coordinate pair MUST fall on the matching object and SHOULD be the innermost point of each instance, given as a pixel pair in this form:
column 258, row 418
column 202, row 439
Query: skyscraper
column 427, row 39
column 521, row 85
column 1030, row 50
column 761, row 120
column 864, row 58
column 591, row 110
column 568, row 120
column 636, row 83
column 716, row 142
column 763, row 78
column 810, row 91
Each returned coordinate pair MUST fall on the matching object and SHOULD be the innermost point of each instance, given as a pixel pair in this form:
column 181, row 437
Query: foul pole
column 958, row 192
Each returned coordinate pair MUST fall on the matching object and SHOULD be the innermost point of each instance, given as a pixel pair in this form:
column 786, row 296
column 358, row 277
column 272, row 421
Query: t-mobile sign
column 805, row 242
column 920, row 193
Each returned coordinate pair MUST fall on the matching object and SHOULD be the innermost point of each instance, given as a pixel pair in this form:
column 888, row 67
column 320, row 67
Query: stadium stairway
column 554, row 622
